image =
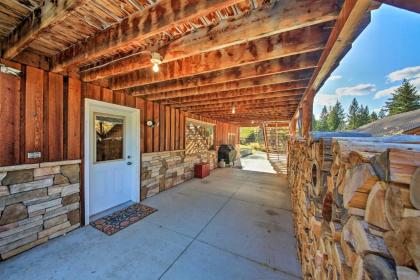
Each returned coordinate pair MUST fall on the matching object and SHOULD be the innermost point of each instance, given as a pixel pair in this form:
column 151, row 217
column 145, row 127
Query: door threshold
column 110, row 211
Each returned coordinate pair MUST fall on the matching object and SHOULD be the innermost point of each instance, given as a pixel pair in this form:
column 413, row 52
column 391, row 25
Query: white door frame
column 91, row 107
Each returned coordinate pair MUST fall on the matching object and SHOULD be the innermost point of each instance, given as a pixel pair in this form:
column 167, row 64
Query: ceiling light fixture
column 156, row 60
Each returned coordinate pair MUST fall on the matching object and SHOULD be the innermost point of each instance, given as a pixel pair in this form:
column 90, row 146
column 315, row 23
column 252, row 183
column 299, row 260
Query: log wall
column 356, row 206
column 43, row 112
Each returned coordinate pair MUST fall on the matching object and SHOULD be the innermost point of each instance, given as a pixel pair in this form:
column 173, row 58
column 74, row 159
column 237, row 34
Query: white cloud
column 357, row 90
column 322, row 99
column 385, row 92
column 376, row 110
column 389, row 91
column 416, row 82
column 406, row 73
column 335, row 77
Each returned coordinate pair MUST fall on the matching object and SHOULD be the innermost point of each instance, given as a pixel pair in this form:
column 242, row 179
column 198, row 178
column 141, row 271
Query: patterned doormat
column 123, row 218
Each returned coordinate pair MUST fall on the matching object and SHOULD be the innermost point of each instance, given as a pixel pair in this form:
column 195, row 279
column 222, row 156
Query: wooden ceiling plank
column 267, row 108
column 242, row 84
column 268, row 67
column 238, row 104
column 241, row 92
column 53, row 12
column 137, row 27
column 275, row 18
column 253, row 70
column 265, row 95
column 289, row 43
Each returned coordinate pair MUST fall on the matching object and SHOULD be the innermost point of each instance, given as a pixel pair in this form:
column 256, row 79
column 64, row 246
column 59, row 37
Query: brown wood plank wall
column 10, row 104
column 44, row 112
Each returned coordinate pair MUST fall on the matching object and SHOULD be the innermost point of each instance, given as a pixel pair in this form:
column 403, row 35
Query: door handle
column 129, row 163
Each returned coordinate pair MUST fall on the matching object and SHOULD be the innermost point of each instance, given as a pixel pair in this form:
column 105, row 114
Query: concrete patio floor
column 235, row 224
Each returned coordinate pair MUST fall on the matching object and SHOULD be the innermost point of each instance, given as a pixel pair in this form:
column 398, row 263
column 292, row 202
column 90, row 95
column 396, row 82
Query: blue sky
column 387, row 51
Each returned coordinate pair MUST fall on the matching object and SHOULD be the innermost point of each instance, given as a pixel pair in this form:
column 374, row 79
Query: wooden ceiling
column 258, row 56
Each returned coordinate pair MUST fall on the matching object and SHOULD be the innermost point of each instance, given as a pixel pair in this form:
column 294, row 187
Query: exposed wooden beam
column 253, row 70
column 50, row 13
column 239, row 93
column 243, row 104
column 241, row 84
column 294, row 42
column 287, row 107
column 351, row 18
column 274, row 18
column 297, row 93
column 247, row 118
column 411, row 5
column 137, row 27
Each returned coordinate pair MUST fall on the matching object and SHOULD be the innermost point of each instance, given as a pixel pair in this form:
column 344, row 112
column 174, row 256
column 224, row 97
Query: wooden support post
column 307, row 107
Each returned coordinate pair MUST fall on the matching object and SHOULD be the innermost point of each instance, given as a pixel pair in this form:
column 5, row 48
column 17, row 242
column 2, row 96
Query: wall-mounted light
column 156, row 60
column 233, row 109
column 10, row 70
column 152, row 123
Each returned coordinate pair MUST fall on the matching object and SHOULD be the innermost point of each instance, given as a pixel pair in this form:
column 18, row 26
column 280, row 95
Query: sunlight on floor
column 257, row 162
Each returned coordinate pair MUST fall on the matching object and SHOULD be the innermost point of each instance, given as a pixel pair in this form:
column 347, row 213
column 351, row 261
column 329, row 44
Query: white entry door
column 113, row 156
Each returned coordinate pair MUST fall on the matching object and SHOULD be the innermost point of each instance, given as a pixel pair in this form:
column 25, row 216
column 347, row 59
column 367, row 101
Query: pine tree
column 364, row 115
column 373, row 116
column 314, row 123
column 382, row 113
column 322, row 123
column 404, row 99
column 336, row 118
column 353, row 115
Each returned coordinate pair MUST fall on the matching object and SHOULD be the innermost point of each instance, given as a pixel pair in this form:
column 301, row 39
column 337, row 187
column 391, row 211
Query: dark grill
column 227, row 153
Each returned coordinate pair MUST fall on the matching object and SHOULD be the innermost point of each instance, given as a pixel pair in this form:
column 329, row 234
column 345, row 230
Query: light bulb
column 155, row 67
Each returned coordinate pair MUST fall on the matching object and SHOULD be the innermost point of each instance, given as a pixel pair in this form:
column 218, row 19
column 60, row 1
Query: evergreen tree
column 382, row 113
column 322, row 123
column 314, row 123
column 404, row 99
column 364, row 115
column 374, row 116
column 353, row 115
column 252, row 137
column 336, row 117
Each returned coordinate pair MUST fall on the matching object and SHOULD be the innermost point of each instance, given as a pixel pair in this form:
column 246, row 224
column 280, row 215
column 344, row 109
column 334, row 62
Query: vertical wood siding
column 43, row 112
column 10, row 104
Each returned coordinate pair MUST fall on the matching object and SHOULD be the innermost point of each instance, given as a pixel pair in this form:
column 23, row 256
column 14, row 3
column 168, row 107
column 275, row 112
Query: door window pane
column 109, row 138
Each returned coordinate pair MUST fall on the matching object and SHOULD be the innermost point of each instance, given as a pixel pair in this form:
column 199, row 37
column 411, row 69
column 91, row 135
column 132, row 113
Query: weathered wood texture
column 10, row 137
column 353, row 211
column 43, row 112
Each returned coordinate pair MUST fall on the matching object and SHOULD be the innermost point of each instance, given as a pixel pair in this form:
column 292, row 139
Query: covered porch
column 235, row 224
column 110, row 102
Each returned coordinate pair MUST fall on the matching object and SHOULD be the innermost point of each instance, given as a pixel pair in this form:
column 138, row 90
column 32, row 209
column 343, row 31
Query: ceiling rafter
column 289, row 43
column 242, row 84
column 296, row 93
column 252, row 70
column 240, row 92
column 41, row 18
column 137, row 27
column 273, row 18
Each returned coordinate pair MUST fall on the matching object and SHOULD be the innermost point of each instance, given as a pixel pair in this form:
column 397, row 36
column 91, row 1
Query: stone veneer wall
column 163, row 170
column 38, row 202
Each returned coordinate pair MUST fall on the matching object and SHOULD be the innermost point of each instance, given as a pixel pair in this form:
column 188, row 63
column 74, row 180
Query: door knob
column 129, row 163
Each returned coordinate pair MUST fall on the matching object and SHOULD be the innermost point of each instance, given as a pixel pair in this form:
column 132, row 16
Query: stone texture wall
column 38, row 202
column 163, row 170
